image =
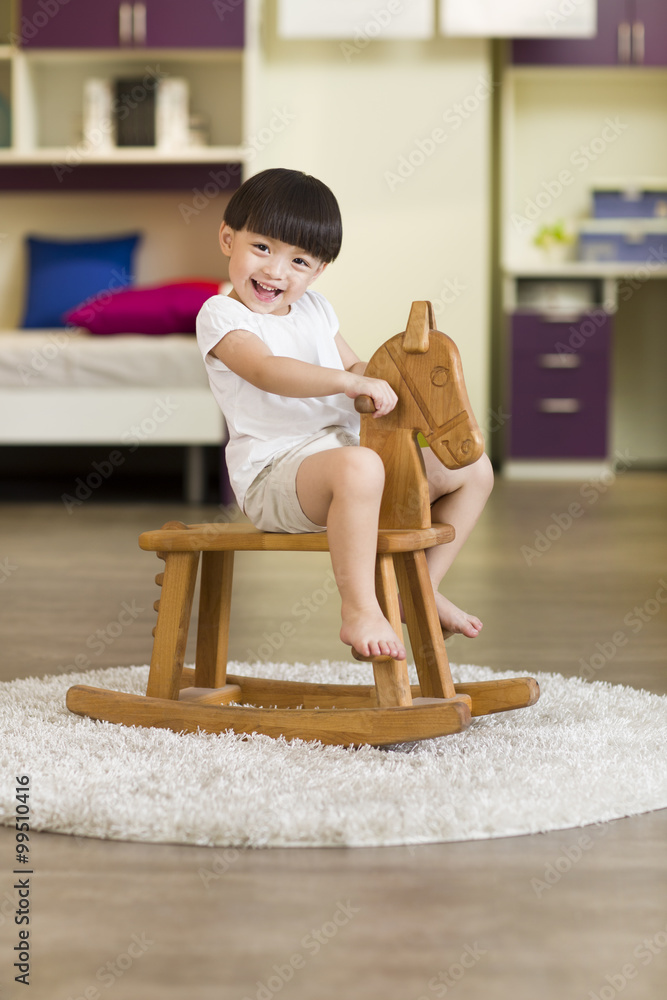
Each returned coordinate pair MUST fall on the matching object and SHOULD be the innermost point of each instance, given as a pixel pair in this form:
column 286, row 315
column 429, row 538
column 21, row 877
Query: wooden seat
column 424, row 368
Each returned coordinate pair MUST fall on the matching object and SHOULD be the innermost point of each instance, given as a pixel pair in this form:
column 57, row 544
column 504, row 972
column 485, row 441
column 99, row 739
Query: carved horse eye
column 439, row 376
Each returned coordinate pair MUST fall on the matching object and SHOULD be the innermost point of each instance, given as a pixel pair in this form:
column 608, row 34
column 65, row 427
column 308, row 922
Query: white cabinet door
column 350, row 19
column 519, row 18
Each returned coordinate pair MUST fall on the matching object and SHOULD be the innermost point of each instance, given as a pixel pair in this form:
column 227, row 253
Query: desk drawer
column 588, row 333
column 557, row 427
column 559, row 394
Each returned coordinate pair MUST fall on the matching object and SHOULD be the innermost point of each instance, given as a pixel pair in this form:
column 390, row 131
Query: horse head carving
column 423, row 366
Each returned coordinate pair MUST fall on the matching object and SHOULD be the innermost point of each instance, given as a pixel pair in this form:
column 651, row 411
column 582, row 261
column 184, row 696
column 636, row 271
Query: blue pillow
column 64, row 273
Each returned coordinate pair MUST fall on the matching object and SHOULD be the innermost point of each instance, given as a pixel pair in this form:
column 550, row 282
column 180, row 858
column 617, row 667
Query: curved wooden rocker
column 424, row 368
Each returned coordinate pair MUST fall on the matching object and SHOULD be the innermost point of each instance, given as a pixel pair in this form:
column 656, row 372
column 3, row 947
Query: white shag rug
column 585, row 753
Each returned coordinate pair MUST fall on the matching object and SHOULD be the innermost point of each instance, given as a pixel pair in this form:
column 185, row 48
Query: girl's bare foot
column 453, row 620
column 370, row 634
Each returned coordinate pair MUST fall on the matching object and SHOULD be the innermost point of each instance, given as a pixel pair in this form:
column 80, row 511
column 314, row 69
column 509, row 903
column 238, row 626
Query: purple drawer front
column 588, row 333
column 559, row 398
column 557, row 435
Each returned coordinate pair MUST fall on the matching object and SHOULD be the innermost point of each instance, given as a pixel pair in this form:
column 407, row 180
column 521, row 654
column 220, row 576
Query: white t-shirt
column 262, row 424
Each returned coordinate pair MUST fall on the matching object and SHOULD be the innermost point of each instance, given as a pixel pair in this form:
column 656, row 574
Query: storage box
column 643, row 198
column 640, row 241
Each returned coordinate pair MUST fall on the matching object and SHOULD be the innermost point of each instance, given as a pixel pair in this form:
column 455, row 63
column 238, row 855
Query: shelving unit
column 563, row 128
column 46, row 98
column 43, row 81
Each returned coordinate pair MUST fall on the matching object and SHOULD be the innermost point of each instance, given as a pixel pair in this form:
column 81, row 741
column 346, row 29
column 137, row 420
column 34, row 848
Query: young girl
column 286, row 382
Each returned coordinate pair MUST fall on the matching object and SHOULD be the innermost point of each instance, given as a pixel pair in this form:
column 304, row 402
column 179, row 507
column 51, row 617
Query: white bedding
column 74, row 358
column 68, row 387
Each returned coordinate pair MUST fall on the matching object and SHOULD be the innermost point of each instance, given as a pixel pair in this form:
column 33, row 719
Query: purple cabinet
column 559, row 395
column 650, row 33
column 114, row 24
column 630, row 32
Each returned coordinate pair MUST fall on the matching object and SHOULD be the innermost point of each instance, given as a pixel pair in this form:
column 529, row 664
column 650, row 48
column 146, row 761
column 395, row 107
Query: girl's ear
column 226, row 239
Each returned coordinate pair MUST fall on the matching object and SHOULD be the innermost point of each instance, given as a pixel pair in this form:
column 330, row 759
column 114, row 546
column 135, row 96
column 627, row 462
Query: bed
column 69, row 387
column 100, row 360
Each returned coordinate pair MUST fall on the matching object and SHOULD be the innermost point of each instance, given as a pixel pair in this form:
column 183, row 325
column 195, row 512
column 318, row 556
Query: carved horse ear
column 420, row 322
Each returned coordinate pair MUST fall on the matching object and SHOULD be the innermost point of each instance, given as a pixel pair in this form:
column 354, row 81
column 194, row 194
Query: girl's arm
column 247, row 356
column 351, row 362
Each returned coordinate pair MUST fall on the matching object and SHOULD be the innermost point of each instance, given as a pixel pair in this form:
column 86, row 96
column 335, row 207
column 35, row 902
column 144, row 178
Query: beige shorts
column 271, row 501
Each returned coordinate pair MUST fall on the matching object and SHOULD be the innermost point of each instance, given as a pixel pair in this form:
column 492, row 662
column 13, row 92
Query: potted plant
column 554, row 239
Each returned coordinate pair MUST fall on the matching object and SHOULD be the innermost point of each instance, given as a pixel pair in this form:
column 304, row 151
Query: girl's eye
column 300, row 260
column 261, row 246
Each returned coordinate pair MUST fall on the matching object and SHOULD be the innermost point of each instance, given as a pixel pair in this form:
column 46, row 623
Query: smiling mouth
column 265, row 293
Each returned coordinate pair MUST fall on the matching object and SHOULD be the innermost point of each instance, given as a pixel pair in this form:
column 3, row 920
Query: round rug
column 585, row 753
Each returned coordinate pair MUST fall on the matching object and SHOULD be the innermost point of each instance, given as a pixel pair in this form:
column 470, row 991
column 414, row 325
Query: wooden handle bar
column 364, row 404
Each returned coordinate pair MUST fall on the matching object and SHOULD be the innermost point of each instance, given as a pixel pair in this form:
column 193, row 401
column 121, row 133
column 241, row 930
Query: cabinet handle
column 638, row 47
column 125, row 24
column 555, row 316
column 559, row 360
column 558, row 405
column 139, row 22
column 624, row 42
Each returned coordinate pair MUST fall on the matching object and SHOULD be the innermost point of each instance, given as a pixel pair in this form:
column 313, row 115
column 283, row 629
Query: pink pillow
column 160, row 310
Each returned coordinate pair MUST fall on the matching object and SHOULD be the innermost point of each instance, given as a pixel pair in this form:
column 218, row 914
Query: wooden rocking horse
column 424, row 368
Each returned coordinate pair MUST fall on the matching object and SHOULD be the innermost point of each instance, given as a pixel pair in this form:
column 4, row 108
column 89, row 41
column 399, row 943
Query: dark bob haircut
column 290, row 206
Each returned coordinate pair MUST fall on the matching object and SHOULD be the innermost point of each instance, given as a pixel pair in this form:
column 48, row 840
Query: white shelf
column 128, row 154
column 68, row 56
column 597, row 74
column 582, row 269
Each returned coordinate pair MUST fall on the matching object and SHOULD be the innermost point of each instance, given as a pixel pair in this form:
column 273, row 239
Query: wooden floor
column 155, row 922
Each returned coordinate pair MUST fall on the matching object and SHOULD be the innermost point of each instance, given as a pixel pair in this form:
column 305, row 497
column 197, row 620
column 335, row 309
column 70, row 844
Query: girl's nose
column 275, row 268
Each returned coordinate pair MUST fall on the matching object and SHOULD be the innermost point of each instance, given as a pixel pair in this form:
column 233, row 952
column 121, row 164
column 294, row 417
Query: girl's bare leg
column 342, row 488
column 458, row 497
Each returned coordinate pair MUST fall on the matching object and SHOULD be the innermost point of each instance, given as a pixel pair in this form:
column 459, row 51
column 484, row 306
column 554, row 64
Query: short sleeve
column 326, row 312
column 217, row 317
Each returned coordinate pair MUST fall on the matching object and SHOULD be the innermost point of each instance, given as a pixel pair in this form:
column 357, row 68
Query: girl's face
column 267, row 274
